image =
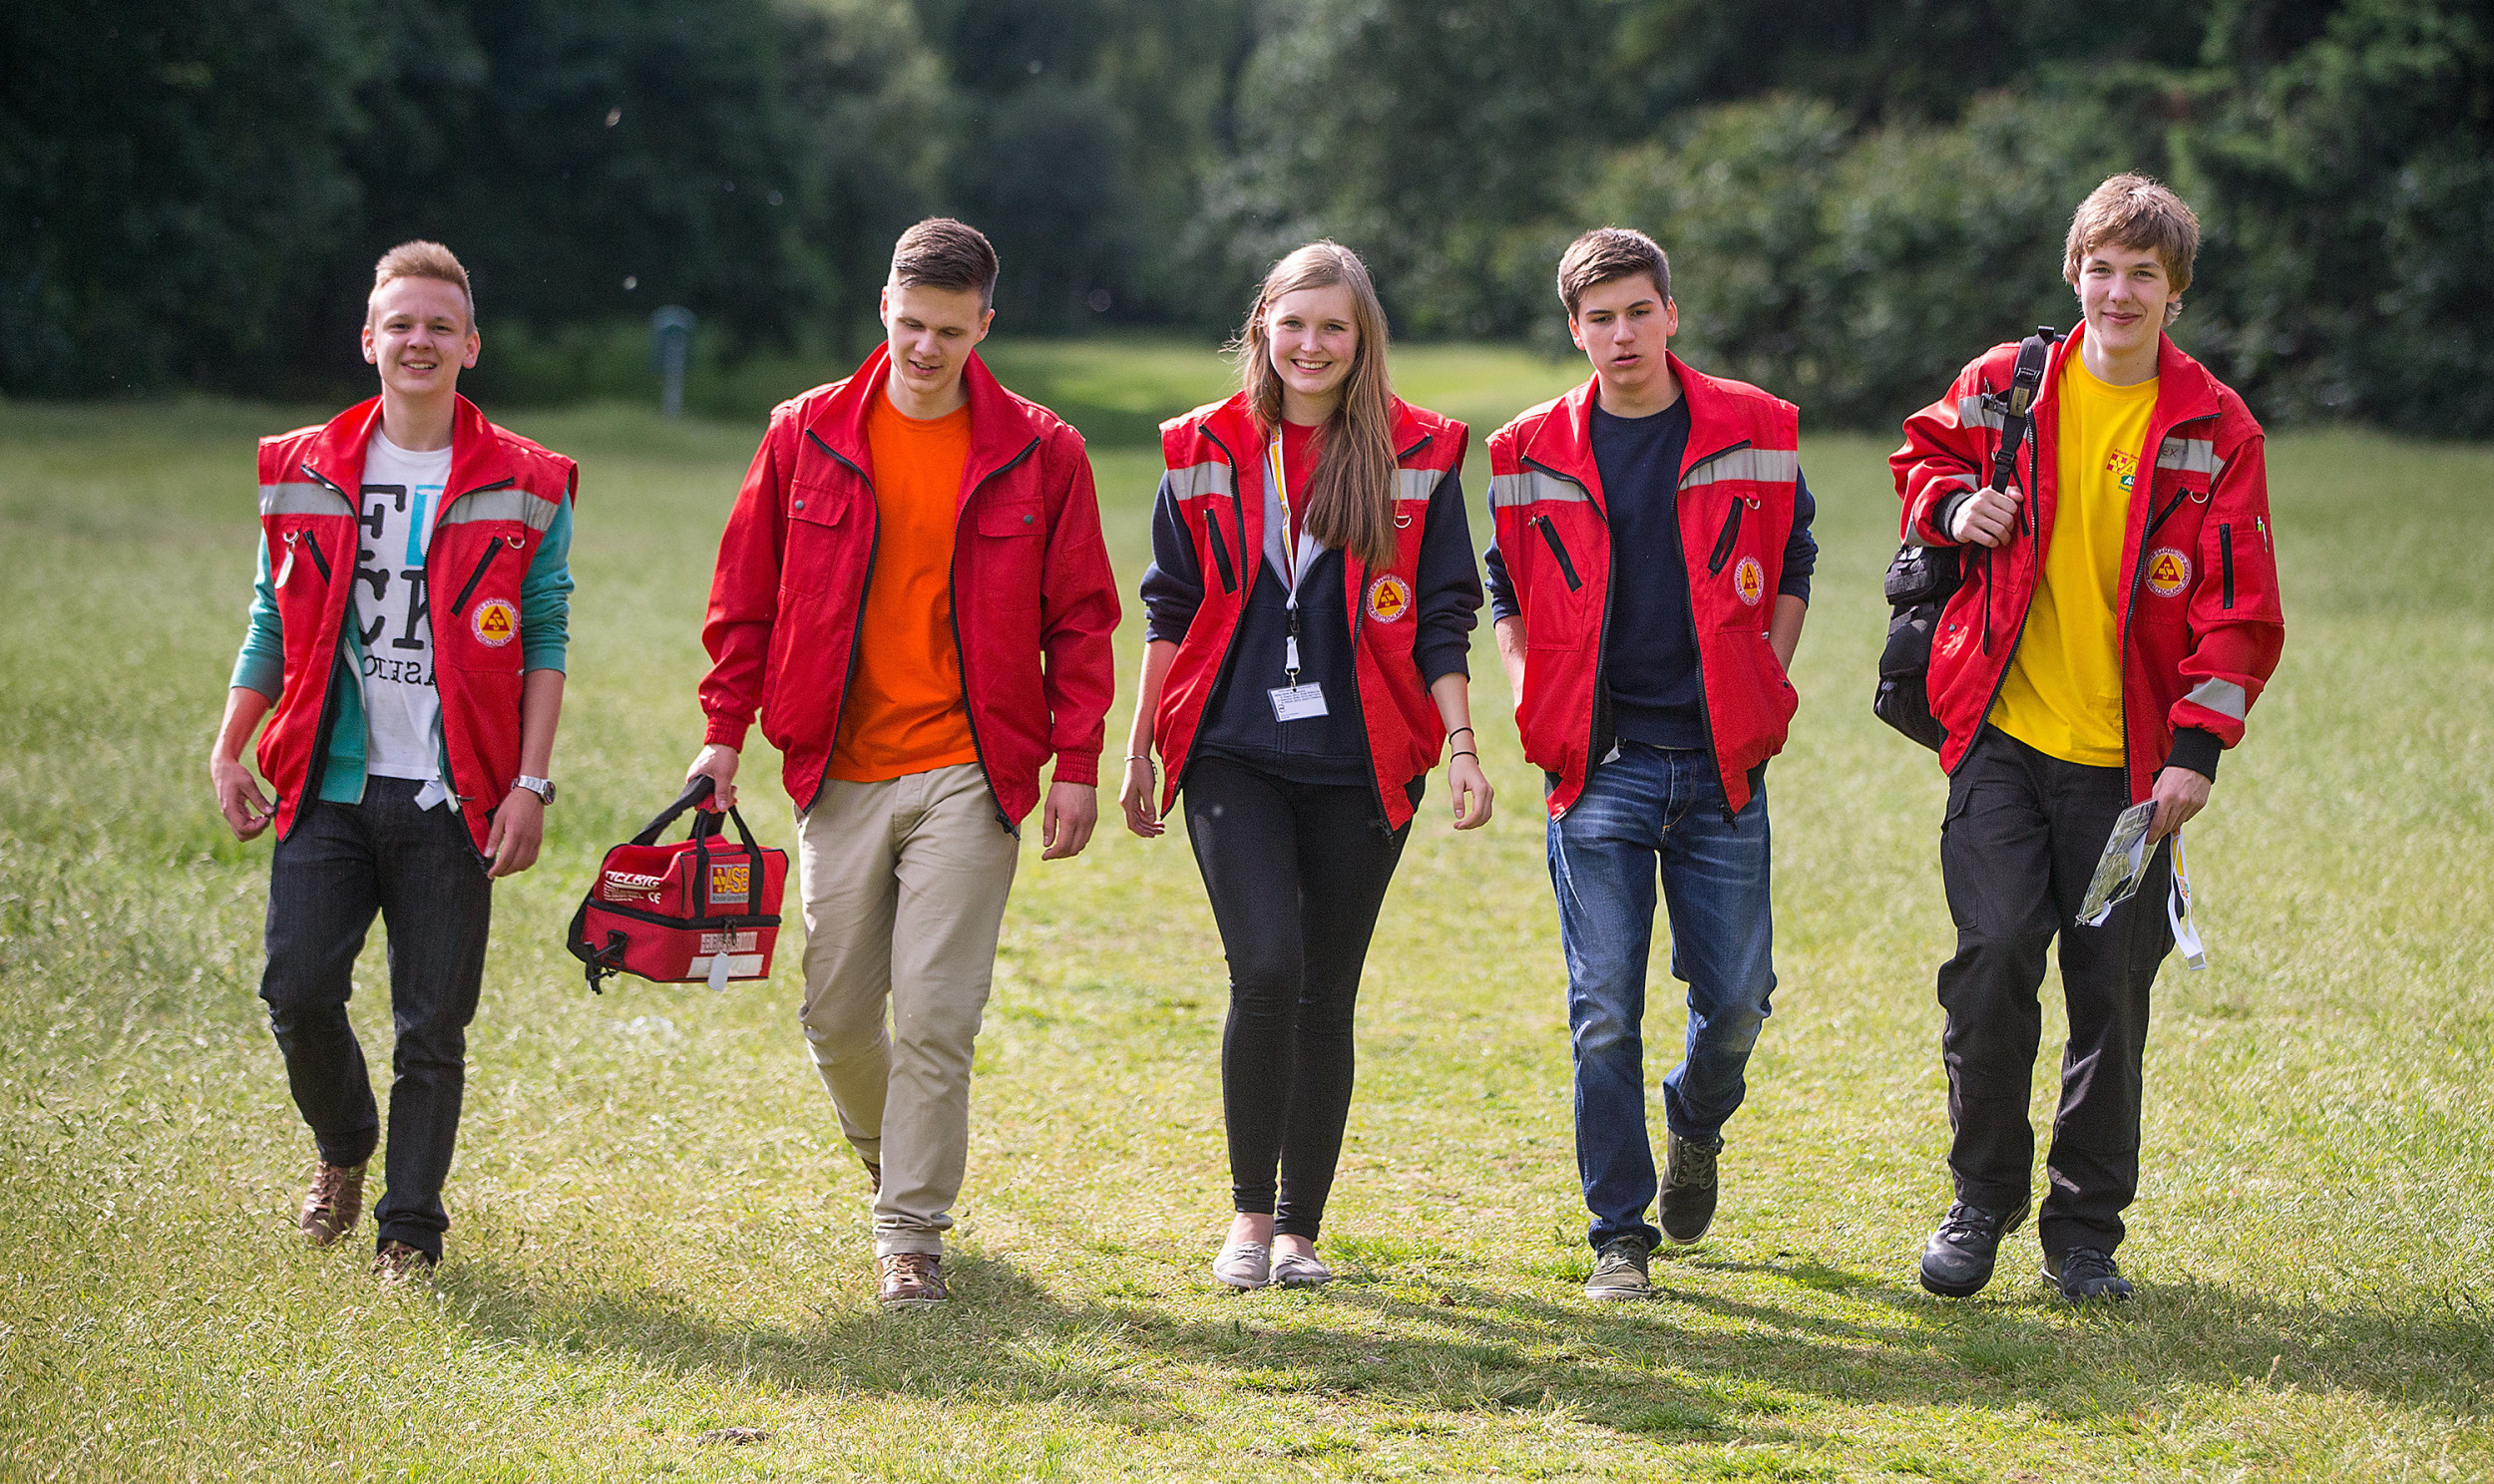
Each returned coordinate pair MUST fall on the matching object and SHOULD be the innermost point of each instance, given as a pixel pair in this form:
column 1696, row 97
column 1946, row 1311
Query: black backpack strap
column 2034, row 354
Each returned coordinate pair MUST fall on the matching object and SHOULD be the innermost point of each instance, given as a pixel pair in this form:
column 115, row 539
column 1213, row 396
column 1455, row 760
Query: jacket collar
column 1564, row 443
column 1001, row 428
column 2185, row 390
column 478, row 460
column 1232, row 423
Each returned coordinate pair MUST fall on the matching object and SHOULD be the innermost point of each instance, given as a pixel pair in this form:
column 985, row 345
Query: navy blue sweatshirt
column 1650, row 656
column 1239, row 723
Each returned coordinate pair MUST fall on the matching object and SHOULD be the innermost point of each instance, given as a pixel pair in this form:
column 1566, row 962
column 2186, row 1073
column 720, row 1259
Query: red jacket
column 1554, row 536
column 502, row 493
column 2200, row 628
column 1034, row 602
column 1216, row 478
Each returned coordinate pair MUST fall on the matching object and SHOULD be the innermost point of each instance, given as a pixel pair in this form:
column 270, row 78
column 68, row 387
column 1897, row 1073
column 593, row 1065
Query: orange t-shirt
column 904, row 711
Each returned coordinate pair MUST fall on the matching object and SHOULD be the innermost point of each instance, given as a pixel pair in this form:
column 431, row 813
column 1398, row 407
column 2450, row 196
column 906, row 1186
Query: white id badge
column 1297, row 702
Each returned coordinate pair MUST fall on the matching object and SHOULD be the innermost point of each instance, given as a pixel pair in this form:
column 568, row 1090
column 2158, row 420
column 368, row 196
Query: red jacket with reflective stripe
column 1035, row 604
column 1553, row 533
column 1215, row 458
column 2201, row 628
column 502, row 493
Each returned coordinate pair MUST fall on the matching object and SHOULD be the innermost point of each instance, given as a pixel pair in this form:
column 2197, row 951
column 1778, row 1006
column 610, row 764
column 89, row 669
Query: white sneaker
column 1291, row 1270
column 1244, row 1264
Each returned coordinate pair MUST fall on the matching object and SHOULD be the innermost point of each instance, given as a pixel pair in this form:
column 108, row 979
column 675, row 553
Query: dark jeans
column 2021, row 842
column 342, row 864
column 1653, row 813
column 1296, row 873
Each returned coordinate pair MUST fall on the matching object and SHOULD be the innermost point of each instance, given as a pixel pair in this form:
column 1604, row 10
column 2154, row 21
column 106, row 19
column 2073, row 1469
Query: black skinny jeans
column 2022, row 837
column 1296, row 873
column 343, row 864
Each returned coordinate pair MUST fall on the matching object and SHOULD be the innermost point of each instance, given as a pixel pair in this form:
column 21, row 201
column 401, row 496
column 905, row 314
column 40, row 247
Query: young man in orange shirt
column 913, row 592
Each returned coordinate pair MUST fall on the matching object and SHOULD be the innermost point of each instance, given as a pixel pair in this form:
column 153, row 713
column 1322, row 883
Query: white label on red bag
column 731, row 942
column 632, row 886
column 739, row 965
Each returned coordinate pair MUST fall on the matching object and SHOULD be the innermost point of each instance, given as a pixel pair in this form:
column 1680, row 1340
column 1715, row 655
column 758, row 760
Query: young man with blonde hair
column 913, row 592
column 1649, row 580
column 2118, row 617
column 406, row 645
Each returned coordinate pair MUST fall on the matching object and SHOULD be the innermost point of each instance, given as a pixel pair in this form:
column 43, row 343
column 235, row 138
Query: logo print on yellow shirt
column 2169, row 571
column 1748, row 582
column 2122, row 467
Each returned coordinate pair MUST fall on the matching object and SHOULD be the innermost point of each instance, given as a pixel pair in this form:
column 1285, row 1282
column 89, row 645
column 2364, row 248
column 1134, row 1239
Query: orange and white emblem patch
column 2169, row 571
column 1389, row 598
column 496, row 624
column 1748, row 582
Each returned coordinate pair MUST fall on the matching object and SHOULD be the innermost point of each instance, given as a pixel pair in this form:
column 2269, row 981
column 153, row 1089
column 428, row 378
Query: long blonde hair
column 1351, row 496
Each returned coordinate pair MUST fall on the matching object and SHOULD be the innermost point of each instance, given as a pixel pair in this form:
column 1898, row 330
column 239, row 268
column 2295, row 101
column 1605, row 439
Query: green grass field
column 659, row 1232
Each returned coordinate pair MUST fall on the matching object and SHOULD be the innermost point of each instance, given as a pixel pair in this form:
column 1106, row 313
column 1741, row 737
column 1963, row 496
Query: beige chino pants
column 904, row 884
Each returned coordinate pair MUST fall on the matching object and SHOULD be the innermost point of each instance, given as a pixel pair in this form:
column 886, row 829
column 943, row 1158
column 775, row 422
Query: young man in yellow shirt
column 2118, row 618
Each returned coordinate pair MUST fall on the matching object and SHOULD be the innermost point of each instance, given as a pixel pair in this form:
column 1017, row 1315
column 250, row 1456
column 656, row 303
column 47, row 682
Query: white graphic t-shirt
column 401, row 498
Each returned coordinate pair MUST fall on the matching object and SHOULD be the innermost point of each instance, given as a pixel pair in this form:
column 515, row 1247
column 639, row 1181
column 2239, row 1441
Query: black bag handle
column 2034, row 353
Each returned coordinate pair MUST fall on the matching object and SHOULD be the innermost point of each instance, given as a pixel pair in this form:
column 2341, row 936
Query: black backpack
column 1921, row 580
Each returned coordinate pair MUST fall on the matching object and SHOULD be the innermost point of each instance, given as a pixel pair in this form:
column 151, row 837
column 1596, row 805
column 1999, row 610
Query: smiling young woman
column 1311, row 599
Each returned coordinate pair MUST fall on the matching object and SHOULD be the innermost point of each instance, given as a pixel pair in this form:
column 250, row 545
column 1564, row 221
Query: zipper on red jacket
column 1601, row 642
column 2138, row 574
column 857, row 629
column 493, row 548
column 2226, row 561
column 1697, row 643
column 1558, row 552
column 961, row 651
column 1229, row 646
column 1359, row 609
column 1220, row 554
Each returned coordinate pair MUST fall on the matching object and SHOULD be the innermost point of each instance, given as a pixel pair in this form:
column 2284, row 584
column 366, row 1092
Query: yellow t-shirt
column 2063, row 694
column 904, row 711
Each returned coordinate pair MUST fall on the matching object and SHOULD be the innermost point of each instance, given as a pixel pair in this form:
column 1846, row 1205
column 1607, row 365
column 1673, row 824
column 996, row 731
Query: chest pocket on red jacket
column 1737, row 564
column 2172, row 551
column 1554, row 615
column 476, row 625
column 818, row 527
column 1008, row 533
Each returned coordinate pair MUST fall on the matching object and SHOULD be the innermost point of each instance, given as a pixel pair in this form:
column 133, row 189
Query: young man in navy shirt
column 1649, row 578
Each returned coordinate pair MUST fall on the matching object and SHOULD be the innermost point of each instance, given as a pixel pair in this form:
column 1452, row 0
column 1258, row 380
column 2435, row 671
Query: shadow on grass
column 1696, row 1361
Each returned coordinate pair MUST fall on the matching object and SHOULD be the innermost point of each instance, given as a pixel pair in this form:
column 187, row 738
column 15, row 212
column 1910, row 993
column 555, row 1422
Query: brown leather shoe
column 335, row 1200
column 396, row 1262
column 909, row 1280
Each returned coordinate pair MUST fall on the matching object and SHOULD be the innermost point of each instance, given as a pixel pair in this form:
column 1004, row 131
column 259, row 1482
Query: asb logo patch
column 496, row 624
column 1389, row 598
column 2169, row 571
column 730, row 884
column 1748, row 582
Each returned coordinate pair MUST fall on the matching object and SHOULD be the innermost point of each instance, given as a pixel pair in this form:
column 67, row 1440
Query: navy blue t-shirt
column 1650, row 660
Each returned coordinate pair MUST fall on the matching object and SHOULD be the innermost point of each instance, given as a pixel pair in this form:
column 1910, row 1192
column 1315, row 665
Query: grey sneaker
column 1688, row 1203
column 1619, row 1271
column 1244, row 1264
column 1291, row 1271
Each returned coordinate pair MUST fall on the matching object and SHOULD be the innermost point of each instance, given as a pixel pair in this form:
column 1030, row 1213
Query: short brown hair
column 2140, row 213
column 422, row 260
column 1609, row 252
column 939, row 252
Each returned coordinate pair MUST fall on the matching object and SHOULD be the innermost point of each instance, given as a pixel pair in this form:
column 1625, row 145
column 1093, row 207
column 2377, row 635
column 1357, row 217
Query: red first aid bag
column 701, row 910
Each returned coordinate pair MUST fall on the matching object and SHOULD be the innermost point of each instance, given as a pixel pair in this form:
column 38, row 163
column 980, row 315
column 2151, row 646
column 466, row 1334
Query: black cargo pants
column 2020, row 842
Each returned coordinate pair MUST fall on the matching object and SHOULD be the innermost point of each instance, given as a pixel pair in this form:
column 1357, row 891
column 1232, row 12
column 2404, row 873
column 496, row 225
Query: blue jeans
column 1647, row 811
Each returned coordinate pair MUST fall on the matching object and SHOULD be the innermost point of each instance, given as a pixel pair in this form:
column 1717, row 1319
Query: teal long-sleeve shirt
column 545, row 631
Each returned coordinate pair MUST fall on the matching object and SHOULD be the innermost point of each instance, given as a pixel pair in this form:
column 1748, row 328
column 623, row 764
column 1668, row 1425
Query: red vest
column 1553, row 530
column 1215, row 457
column 503, row 492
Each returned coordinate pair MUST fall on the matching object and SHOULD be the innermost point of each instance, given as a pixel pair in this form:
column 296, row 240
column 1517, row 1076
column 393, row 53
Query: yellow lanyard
column 1281, row 492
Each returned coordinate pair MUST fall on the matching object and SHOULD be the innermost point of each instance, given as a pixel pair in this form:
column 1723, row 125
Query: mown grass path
column 659, row 1232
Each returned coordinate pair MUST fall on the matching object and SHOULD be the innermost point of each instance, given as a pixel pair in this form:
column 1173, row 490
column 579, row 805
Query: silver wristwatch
column 543, row 788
